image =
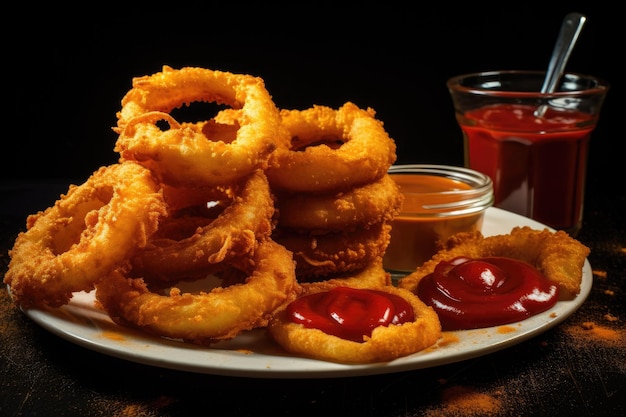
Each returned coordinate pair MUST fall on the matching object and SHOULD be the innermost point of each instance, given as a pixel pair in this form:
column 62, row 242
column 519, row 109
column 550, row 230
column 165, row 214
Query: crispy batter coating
column 93, row 229
column 319, row 255
column 372, row 275
column 558, row 256
column 234, row 232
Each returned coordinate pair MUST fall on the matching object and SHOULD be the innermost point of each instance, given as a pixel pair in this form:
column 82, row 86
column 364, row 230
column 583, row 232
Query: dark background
column 66, row 71
column 69, row 69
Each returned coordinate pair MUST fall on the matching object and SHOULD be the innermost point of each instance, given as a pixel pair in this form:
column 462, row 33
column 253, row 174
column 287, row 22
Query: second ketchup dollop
column 471, row 293
column 350, row 313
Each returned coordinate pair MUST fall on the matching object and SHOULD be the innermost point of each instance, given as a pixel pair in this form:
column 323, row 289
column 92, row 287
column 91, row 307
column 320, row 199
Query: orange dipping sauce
column 439, row 202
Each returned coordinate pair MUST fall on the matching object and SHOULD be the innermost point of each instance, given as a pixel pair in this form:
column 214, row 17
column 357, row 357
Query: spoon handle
column 568, row 35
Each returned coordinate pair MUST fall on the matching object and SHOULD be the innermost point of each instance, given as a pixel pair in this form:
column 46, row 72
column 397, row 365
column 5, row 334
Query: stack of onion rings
column 182, row 204
column 334, row 196
column 220, row 207
column 271, row 204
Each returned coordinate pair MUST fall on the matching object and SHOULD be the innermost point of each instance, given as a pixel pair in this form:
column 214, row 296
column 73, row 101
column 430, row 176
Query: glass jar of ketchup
column 532, row 145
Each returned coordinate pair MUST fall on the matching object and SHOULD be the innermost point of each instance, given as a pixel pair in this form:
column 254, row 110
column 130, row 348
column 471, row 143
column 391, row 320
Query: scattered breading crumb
column 599, row 274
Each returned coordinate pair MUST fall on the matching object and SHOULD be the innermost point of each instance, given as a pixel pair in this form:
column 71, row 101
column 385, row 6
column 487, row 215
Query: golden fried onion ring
column 364, row 205
column 88, row 232
column 331, row 150
column 206, row 317
column 559, row 257
column 234, row 232
column 334, row 252
column 372, row 275
column 183, row 153
column 385, row 344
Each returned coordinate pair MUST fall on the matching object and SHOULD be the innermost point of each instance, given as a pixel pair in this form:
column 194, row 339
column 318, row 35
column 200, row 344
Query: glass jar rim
column 467, row 201
column 599, row 85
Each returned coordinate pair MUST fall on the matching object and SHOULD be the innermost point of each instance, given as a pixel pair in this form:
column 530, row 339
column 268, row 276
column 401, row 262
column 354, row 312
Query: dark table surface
column 568, row 370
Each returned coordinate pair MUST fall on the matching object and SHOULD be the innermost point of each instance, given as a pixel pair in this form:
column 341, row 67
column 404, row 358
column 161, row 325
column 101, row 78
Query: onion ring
column 372, row 275
column 206, row 317
column 234, row 232
column 85, row 235
column 386, row 342
column 360, row 206
column 335, row 252
column 361, row 153
column 183, row 153
column 559, row 257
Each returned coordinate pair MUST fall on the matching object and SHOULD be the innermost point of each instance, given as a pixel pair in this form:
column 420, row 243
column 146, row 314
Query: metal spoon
column 570, row 29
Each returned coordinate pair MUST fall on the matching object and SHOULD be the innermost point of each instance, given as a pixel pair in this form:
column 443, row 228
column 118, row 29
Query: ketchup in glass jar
column 471, row 293
column 537, row 165
column 532, row 144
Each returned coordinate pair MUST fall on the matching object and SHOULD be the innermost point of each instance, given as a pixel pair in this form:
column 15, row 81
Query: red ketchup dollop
column 350, row 313
column 470, row 293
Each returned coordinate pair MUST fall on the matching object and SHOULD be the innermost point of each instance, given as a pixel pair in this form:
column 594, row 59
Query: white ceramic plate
column 253, row 355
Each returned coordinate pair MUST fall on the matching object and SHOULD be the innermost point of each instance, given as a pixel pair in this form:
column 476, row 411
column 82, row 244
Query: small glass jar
column 439, row 201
